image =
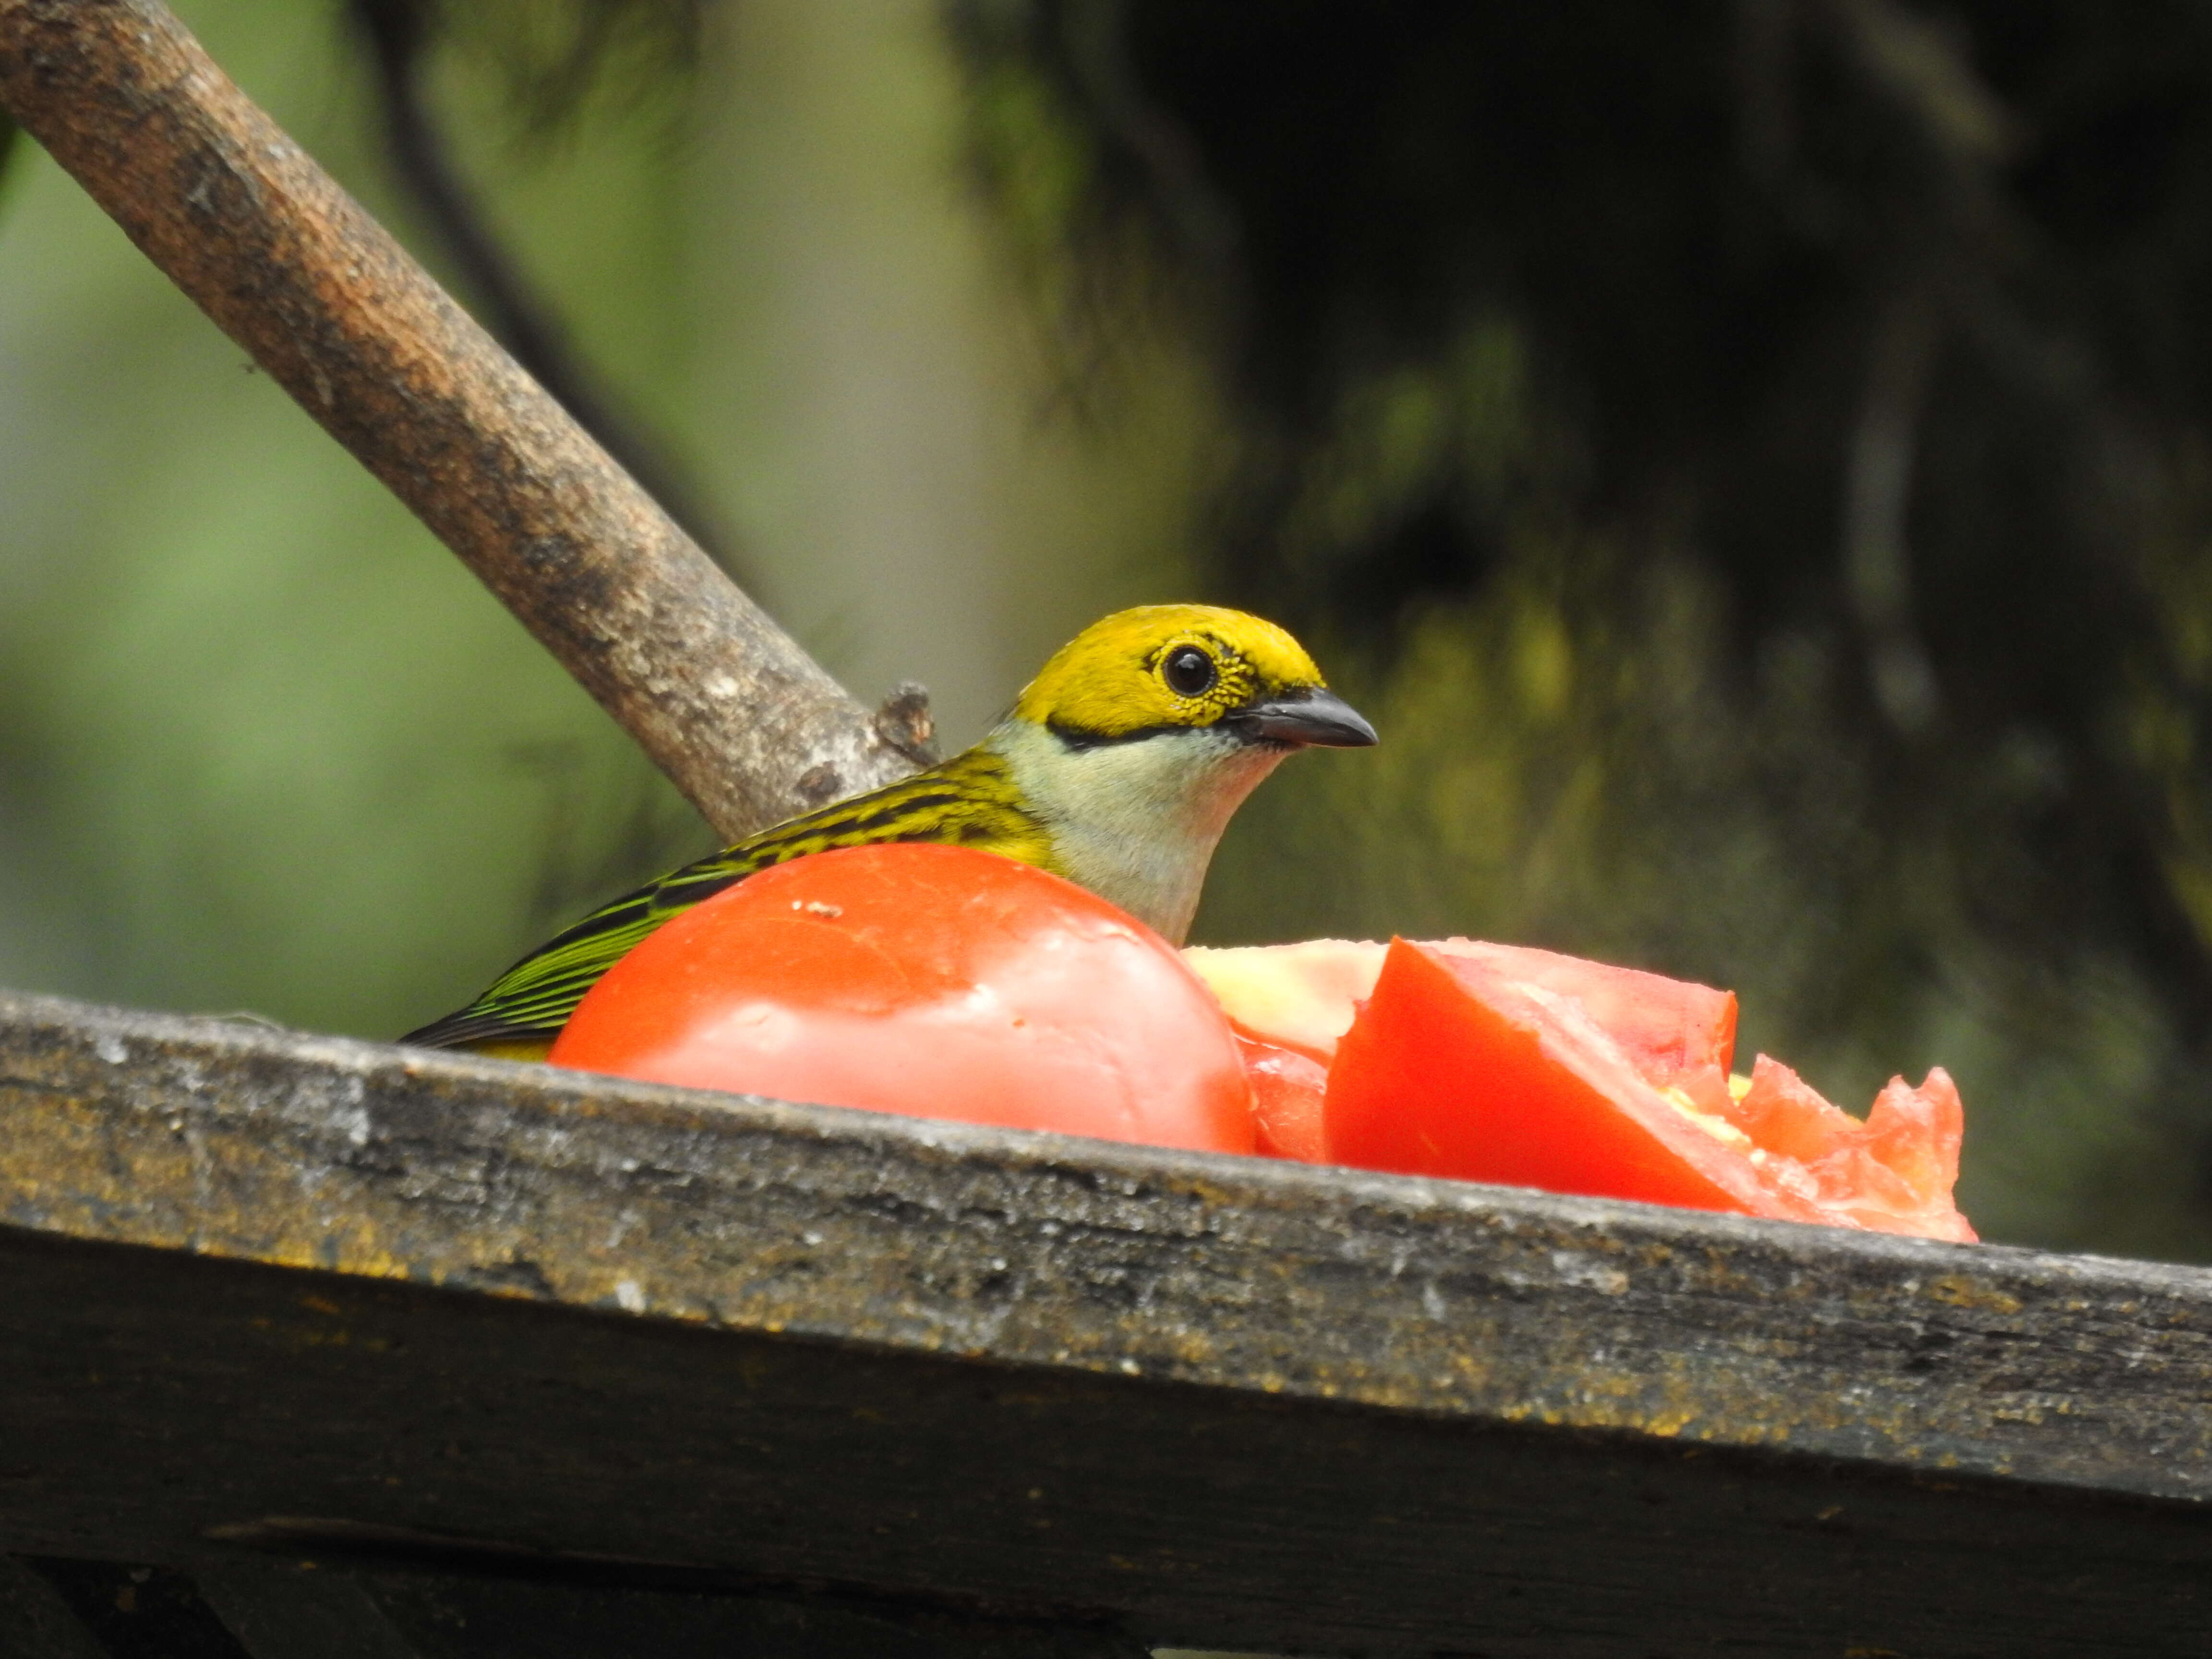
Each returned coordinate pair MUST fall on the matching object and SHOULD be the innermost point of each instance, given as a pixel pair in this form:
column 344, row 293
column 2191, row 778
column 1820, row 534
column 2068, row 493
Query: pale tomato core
column 935, row 981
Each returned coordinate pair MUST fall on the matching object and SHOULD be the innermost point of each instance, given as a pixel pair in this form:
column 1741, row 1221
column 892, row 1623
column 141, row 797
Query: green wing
column 532, row 1000
column 969, row 799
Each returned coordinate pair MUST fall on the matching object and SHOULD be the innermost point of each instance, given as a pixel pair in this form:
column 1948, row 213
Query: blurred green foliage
column 265, row 745
column 1815, row 391
column 1528, row 364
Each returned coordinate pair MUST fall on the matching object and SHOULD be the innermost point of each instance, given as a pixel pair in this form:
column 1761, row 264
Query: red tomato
column 1892, row 1173
column 936, row 981
column 1287, row 1098
column 1456, row 1067
column 1673, row 1031
column 1303, row 996
column 1290, row 1004
column 1490, row 1082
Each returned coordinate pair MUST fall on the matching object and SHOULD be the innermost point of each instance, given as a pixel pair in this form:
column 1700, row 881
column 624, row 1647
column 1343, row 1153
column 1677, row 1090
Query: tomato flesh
column 1299, row 996
column 935, row 981
column 1674, row 1033
column 1487, row 1081
column 1892, row 1173
column 944, row 982
column 1287, row 1090
column 1292, row 1000
column 1303, row 996
column 1455, row 1066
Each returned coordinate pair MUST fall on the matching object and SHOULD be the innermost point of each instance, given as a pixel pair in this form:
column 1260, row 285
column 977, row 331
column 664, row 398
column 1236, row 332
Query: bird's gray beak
column 1318, row 717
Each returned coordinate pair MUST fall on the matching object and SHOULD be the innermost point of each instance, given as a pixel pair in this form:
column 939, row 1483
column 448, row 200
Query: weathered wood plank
column 36, row 1622
column 260, row 1282
column 1036, row 1250
column 282, row 1612
column 343, row 1608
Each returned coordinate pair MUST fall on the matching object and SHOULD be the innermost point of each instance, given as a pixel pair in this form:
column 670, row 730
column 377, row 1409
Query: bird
column 1118, row 768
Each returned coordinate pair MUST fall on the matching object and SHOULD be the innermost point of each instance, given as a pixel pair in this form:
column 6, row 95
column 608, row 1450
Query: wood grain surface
column 283, row 1293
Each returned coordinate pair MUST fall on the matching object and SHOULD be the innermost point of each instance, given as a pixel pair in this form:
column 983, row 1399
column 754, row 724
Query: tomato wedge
column 1303, row 996
column 1287, row 1089
column 1454, row 1067
column 1892, row 1173
column 936, row 981
column 1293, row 1003
column 1674, row 1033
column 1461, row 1072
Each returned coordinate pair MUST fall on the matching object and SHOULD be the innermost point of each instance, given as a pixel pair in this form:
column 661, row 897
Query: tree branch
column 744, row 722
column 396, row 33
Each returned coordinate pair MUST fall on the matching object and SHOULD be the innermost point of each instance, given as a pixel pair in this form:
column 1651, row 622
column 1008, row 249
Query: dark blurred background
column 1750, row 457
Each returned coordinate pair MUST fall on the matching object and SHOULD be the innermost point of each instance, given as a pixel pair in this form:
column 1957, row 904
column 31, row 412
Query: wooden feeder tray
column 503, row 1350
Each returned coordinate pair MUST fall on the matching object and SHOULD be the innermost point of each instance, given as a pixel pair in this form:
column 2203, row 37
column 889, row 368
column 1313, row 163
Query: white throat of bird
column 1137, row 821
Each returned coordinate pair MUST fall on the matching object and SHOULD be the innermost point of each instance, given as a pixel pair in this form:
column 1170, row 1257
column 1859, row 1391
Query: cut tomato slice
column 1675, row 1033
column 1454, row 1067
column 1287, row 1087
column 1893, row 1173
column 1451, row 1070
column 1303, row 996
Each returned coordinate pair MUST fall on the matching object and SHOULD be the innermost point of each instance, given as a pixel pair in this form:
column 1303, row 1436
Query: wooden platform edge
column 1439, row 1299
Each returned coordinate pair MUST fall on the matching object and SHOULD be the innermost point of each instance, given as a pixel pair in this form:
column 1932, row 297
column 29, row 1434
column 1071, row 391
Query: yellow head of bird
column 1166, row 668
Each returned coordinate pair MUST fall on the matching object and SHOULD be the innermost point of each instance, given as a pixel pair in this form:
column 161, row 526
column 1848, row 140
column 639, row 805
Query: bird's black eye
column 1190, row 671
